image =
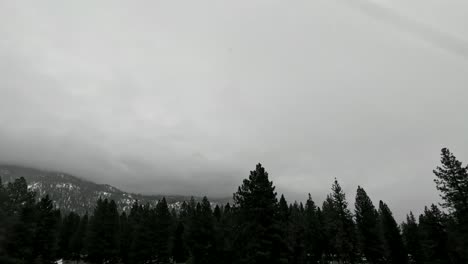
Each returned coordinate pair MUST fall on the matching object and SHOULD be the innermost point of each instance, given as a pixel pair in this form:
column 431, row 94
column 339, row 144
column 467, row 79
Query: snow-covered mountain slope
column 71, row 193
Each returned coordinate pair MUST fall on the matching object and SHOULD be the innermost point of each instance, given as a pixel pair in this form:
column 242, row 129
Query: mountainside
column 71, row 193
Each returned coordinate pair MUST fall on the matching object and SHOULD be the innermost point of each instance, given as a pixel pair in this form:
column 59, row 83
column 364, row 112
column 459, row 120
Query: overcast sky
column 185, row 97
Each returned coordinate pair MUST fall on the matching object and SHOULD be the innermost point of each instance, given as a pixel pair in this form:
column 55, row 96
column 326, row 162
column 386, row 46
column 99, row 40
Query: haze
column 185, row 97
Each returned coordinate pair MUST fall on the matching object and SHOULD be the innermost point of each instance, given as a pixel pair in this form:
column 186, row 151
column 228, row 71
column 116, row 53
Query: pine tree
column 45, row 238
column 259, row 237
column 201, row 237
column 329, row 221
column 393, row 243
column 21, row 208
column 314, row 237
column 283, row 208
column 367, row 223
column 184, row 211
column 217, row 213
column 452, row 182
column 5, row 221
column 179, row 250
column 411, row 238
column 163, row 224
column 141, row 250
column 284, row 213
column 191, row 207
column 339, row 225
column 125, row 237
column 103, row 233
column 68, row 226
column 226, row 235
column 208, row 224
column 77, row 240
column 18, row 196
column 433, row 236
column 296, row 234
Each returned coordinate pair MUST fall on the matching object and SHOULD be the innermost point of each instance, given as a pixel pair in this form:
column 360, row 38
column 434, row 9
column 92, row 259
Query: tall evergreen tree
column 184, row 211
column 411, row 238
column 314, row 237
column 5, row 222
column 179, row 249
column 141, row 246
column 226, row 235
column 296, row 235
column 77, row 240
column 217, row 213
column 329, row 221
column 125, row 238
column 103, row 233
column 259, row 237
column 283, row 211
column 163, row 225
column 201, row 237
column 452, row 182
column 45, row 238
column 367, row 223
column 18, row 196
column 21, row 208
column 395, row 252
column 433, row 236
column 339, row 225
column 68, row 226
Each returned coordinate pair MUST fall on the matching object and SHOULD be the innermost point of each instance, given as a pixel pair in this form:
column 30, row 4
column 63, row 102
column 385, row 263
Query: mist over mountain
column 184, row 98
column 340, row 107
column 72, row 193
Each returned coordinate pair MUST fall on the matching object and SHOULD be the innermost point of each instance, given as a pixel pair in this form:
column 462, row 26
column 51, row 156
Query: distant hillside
column 71, row 193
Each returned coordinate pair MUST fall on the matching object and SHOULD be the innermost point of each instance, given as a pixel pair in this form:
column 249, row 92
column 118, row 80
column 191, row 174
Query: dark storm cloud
column 167, row 97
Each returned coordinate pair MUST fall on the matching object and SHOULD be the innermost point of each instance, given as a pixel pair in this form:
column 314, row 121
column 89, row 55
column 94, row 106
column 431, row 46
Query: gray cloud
column 168, row 97
column 440, row 39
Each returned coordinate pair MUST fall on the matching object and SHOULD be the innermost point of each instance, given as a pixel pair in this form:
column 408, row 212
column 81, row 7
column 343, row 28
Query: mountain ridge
column 72, row 193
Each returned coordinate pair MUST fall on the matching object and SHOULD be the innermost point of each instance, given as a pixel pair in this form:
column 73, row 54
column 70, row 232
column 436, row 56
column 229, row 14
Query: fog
column 186, row 97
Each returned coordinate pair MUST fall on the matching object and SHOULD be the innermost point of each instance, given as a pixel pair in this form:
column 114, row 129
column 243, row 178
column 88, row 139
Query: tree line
column 258, row 228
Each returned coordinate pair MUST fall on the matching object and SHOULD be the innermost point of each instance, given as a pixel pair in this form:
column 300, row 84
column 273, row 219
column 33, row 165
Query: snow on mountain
column 71, row 193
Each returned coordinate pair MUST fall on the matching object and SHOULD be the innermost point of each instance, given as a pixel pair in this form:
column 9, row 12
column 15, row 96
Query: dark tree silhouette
column 45, row 237
column 163, row 230
column 433, row 234
column 256, row 229
column 367, row 223
column 452, row 181
column 103, row 233
column 339, row 226
column 259, row 236
column 412, row 239
column 395, row 252
column 315, row 244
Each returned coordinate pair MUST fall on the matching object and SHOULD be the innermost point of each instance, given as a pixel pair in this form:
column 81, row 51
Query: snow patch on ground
column 68, row 186
column 34, row 186
column 104, row 194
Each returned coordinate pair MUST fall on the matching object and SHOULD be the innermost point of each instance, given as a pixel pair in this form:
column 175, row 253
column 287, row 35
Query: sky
column 186, row 97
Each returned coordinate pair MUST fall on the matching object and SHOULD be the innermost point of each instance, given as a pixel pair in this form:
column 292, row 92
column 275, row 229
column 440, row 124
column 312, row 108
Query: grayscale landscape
column 242, row 132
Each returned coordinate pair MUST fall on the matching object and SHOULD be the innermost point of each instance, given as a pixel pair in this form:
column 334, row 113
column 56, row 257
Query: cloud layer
column 168, row 97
